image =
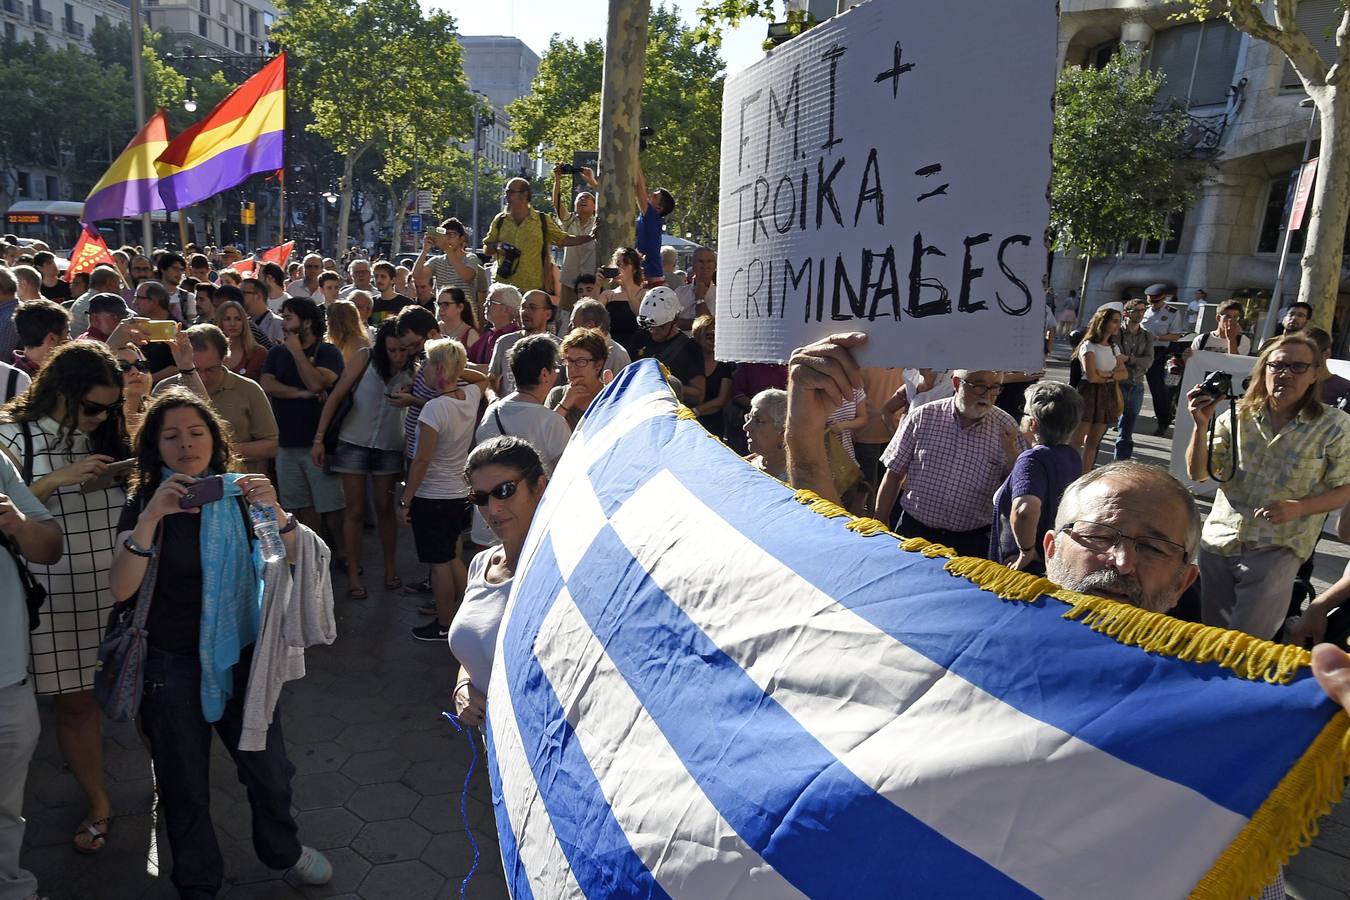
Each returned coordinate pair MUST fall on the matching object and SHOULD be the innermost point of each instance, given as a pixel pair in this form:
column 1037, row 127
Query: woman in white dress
column 63, row 434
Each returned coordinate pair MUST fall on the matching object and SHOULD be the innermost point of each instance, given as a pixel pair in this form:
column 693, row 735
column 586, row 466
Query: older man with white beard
column 946, row 462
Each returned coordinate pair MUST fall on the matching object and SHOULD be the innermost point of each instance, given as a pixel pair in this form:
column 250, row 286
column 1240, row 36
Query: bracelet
column 187, row 371
column 289, row 526
column 136, row 549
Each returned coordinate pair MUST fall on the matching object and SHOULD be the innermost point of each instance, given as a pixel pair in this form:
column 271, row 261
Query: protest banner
column 887, row 172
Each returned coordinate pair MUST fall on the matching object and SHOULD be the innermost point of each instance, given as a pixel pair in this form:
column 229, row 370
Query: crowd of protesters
column 438, row 398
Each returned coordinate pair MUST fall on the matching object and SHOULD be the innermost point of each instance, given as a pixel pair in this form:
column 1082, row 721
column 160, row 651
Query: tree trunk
column 620, row 118
column 400, row 207
column 1325, row 247
column 345, row 211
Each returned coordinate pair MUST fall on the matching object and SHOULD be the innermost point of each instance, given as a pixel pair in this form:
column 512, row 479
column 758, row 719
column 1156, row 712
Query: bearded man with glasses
column 1290, row 464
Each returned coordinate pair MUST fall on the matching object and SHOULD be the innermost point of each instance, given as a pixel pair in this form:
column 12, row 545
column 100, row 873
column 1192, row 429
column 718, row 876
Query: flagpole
column 138, row 93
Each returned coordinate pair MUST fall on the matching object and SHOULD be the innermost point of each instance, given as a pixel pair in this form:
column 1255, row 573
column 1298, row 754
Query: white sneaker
column 312, row 867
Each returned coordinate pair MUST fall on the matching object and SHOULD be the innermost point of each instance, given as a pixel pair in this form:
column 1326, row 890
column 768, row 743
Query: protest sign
column 887, row 172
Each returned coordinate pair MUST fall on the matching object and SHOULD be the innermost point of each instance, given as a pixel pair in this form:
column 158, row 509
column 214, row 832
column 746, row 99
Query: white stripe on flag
column 668, row 820
column 958, row 755
column 536, row 843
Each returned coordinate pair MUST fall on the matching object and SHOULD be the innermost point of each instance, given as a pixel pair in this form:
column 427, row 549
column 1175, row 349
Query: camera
column 565, row 169
column 609, row 271
column 1218, row 385
column 643, row 133
column 509, row 258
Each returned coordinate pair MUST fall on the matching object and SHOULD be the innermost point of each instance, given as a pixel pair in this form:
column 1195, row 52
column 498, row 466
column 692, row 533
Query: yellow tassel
column 684, row 412
column 1003, row 581
column 1247, row 656
column 1286, row 822
column 868, row 527
column 818, row 504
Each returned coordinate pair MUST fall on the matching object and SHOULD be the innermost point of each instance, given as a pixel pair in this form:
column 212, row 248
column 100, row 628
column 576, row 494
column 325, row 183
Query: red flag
column 245, row 266
column 89, row 252
column 280, row 254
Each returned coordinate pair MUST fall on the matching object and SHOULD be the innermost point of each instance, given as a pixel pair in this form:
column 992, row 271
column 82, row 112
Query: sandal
column 97, row 831
column 357, row 593
column 393, row 583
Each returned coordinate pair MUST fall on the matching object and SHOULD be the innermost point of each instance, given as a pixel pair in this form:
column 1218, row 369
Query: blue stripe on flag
column 597, row 849
column 517, row 879
column 768, row 777
column 925, row 610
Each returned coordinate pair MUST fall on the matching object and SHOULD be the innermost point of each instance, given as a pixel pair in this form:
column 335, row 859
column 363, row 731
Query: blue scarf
column 232, row 596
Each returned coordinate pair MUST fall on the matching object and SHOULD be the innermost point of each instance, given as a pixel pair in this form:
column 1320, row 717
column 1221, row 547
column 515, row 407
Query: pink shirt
column 953, row 471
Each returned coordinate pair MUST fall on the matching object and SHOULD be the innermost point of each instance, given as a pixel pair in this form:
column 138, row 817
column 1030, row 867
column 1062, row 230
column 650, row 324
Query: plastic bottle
column 265, row 527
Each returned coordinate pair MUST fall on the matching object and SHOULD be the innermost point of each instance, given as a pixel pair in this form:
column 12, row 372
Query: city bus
column 57, row 224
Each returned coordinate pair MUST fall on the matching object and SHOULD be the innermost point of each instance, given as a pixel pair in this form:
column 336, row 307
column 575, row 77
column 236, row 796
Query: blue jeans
column 1132, row 400
column 180, row 745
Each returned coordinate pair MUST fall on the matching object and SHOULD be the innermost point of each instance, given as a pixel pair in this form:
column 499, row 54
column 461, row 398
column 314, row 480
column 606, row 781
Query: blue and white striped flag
column 705, row 688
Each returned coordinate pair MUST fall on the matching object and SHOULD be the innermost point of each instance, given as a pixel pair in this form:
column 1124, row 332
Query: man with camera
column 1290, row 466
column 519, row 238
column 581, row 220
column 455, row 266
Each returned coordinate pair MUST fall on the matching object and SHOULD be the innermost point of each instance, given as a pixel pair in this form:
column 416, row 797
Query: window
column 1154, row 247
column 1318, row 19
column 239, row 42
column 1198, row 60
column 239, row 13
column 10, row 34
column 53, row 186
column 253, row 22
column 1277, row 214
column 25, row 185
column 268, row 19
column 204, row 6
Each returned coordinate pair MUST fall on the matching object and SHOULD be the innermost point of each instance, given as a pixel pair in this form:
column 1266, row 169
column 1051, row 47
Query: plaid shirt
column 1309, row 456
column 951, row 471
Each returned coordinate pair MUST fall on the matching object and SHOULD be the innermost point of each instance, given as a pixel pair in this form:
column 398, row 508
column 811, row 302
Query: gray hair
column 773, row 402
column 1057, row 409
column 1149, row 477
column 590, row 314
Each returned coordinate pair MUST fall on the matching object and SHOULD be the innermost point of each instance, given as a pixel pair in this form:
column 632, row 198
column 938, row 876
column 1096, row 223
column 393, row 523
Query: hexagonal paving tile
column 328, row 828
column 401, row 881
column 349, row 870
column 308, row 758
column 385, row 842
column 311, row 728
column 357, row 738
column 378, row 802
column 321, row 790
column 375, row 766
column 439, row 813
column 452, row 854
column 434, row 777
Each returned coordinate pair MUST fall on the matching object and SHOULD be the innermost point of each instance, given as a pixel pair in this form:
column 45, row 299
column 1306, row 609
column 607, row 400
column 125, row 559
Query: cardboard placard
column 887, row 172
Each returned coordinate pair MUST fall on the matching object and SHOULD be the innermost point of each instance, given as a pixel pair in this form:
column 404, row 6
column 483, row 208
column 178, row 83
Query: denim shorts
column 353, row 459
column 303, row 485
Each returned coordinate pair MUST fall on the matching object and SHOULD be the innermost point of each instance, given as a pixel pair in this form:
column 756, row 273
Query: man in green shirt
column 527, row 231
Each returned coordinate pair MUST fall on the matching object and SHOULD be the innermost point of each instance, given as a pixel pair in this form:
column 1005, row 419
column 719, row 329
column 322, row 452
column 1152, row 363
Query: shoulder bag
column 120, row 674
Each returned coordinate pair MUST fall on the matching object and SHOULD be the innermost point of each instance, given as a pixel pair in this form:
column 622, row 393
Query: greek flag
column 708, row 686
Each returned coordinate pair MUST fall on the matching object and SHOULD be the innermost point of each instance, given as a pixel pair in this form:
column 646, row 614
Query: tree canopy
column 681, row 102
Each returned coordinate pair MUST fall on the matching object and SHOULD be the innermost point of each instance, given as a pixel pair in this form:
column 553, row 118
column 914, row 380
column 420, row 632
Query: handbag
column 119, row 676
column 330, row 436
column 33, row 592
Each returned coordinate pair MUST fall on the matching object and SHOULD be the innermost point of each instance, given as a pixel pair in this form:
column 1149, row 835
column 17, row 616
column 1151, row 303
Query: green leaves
column 1120, row 164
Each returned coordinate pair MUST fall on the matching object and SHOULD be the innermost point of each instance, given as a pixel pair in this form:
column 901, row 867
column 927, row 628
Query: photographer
column 519, row 238
column 581, row 220
column 1293, row 467
column 455, row 266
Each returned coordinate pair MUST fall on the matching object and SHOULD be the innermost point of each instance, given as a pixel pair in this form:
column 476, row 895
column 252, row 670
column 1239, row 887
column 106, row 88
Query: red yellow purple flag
column 131, row 184
column 243, row 135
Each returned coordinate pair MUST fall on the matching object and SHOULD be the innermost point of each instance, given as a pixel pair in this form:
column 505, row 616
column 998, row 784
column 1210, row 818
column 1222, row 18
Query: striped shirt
column 951, row 470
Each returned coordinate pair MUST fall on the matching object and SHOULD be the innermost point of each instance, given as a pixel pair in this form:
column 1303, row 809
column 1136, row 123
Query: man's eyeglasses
column 504, row 491
column 139, row 365
column 976, row 387
column 1280, row 368
column 100, row 409
column 1102, row 538
column 573, row 362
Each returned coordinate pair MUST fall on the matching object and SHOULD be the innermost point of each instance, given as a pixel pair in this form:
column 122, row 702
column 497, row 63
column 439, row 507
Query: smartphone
column 115, row 473
column 203, row 491
column 161, row 331
column 609, row 271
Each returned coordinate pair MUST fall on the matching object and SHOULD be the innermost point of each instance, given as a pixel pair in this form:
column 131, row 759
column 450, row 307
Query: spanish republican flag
column 89, row 253
column 130, row 186
column 243, row 135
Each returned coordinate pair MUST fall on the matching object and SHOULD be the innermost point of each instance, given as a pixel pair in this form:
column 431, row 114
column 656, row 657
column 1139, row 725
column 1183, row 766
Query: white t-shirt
column 453, row 422
column 1103, row 354
column 473, row 633
column 21, row 382
column 297, row 289
column 1211, row 341
column 500, row 366
column 546, row 431
column 689, row 303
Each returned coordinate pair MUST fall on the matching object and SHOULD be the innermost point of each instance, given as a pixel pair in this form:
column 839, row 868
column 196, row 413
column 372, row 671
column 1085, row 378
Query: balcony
column 12, row 8
column 42, row 17
column 73, row 28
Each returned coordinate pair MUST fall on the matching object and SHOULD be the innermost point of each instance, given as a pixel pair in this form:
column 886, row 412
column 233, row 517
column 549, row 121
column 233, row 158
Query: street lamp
column 330, row 199
column 190, row 101
column 479, row 121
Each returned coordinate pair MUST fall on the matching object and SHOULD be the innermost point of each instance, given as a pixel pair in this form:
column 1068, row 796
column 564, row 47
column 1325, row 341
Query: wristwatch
column 136, row 549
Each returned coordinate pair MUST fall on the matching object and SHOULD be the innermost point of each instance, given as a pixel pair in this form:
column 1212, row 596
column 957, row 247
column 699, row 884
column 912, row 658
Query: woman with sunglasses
column 246, row 356
column 434, row 498
column 456, row 316
column 63, row 434
column 136, row 384
column 204, row 620
column 507, row 481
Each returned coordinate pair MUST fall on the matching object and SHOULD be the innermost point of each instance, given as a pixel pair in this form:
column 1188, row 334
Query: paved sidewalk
column 377, row 783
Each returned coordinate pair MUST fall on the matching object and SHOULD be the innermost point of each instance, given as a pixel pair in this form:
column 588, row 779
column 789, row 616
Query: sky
column 535, row 21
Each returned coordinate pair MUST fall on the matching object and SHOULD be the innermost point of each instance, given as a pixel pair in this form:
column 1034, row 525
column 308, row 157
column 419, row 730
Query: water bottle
column 265, row 527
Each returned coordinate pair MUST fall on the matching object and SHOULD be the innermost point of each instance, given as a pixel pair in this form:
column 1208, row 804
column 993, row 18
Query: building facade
column 1243, row 98
column 213, row 26
column 60, row 22
column 501, row 69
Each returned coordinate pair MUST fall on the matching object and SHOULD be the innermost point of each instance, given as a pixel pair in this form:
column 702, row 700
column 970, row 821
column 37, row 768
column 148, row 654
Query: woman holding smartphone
column 205, row 604
column 369, row 442
column 62, row 435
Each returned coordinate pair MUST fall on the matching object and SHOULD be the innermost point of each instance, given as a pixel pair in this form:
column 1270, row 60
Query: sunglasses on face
column 139, row 365
column 504, row 491
column 100, row 409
